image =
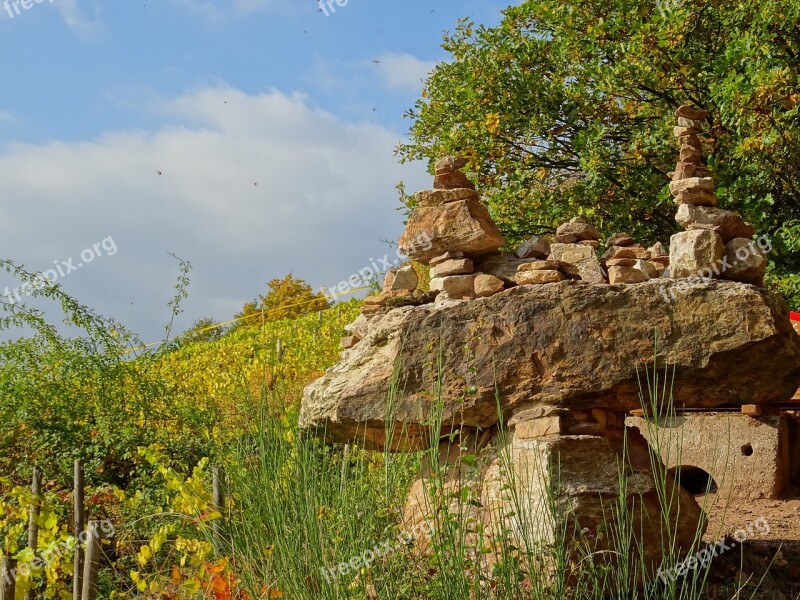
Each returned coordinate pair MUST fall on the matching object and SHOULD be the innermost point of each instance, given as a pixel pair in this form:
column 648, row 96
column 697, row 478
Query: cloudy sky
column 250, row 137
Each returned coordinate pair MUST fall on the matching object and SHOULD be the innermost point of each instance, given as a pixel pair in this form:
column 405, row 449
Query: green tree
column 287, row 298
column 203, row 330
column 566, row 108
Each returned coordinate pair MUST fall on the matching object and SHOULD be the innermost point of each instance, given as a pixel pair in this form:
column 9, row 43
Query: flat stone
column 502, row 265
column 405, row 279
column 536, row 246
column 487, row 285
column 691, row 139
column 747, row 261
column 695, row 254
column 539, row 277
column 446, row 256
column 684, row 170
column 452, row 181
column 691, row 155
column 689, row 111
column 593, row 244
column 439, row 197
column 541, row 427
column 631, row 252
column 729, row 223
column 620, row 239
column 540, row 265
column 621, row 262
column 690, row 123
column 698, row 198
column 456, row 286
column 692, row 184
column 571, row 345
column 462, row 226
column 449, row 164
column 583, row 258
column 456, row 266
column 679, row 132
column 617, row 275
column 578, row 231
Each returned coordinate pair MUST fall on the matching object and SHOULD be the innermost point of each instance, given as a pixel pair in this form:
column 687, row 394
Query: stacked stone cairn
column 716, row 243
column 451, row 231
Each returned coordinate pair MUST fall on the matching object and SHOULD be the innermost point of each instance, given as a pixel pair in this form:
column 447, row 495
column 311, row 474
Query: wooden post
column 279, row 349
column 91, row 563
column 8, row 578
column 79, row 526
column 218, row 494
column 33, row 517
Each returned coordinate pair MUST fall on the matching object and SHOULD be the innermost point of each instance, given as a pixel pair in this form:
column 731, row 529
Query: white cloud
column 6, row 116
column 251, row 187
column 403, row 71
column 75, row 18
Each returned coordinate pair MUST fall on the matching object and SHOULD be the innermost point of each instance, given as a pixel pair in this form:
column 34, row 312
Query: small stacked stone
column 630, row 262
column 574, row 247
column 717, row 243
column 449, row 229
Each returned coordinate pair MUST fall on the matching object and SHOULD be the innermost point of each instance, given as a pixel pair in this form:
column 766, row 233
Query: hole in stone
column 694, row 479
column 747, row 450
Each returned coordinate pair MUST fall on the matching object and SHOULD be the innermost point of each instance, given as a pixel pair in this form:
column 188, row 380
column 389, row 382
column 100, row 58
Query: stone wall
column 748, row 457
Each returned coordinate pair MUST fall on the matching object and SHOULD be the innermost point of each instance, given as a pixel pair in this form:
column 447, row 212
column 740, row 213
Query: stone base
column 534, row 488
column 747, row 457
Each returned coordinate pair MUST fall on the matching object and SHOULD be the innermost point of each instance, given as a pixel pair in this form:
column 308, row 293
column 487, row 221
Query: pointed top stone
column 689, row 111
column 449, row 164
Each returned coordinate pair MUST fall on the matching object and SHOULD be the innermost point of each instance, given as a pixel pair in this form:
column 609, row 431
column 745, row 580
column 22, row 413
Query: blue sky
column 250, row 137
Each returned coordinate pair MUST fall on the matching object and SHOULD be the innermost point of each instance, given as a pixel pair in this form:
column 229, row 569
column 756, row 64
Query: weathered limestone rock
column 575, row 231
column 689, row 111
column 535, row 247
column 502, row 265
column 455, row 266
column 439, row 197
column 538, row 276
column 696, row 253
column 462, row 226
column 514, row 484
column 449, row 164
column 452, row 181
column 568, row 344
column 540, row 265
column 745, row 262
column 729, row 223
column 620, row 239
column 445, row 257
column 349, row 341
column 747, row 457
column 582, row 258
column 455, row 286
column 626, row 274
column 635, row 252
column 405, row 279
column 487, row 285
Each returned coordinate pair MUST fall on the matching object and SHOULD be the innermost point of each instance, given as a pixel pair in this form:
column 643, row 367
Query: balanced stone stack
column 717, row 243
column 629, row 262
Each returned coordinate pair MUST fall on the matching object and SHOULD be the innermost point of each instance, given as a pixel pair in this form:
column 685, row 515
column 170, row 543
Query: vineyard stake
column 33, row 525
column 77, row 583
column 91, row 564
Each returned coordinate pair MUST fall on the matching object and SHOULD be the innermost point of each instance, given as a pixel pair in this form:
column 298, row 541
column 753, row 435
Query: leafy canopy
column 566, row 108
column 287, row 298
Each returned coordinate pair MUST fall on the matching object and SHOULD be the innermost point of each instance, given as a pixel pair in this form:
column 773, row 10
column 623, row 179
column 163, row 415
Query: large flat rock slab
column 570, row 344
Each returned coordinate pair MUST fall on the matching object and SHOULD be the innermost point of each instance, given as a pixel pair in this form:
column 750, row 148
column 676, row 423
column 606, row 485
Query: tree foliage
column 287, row 298
column 567, row 108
